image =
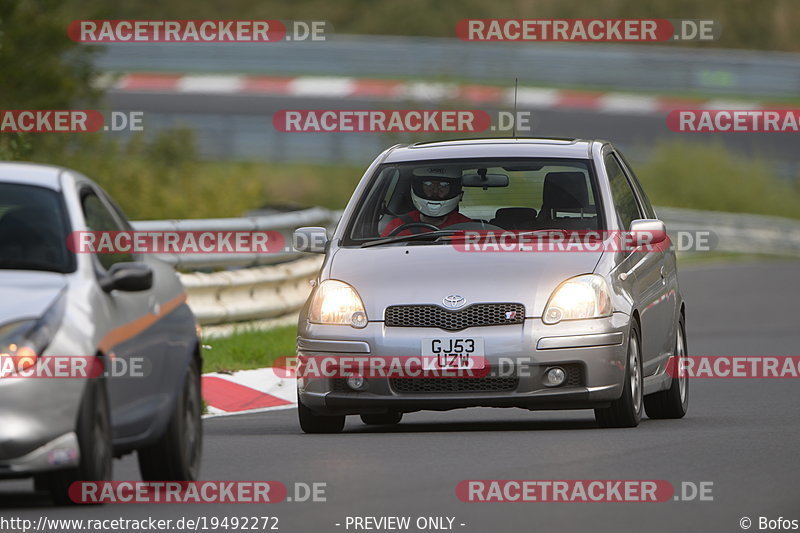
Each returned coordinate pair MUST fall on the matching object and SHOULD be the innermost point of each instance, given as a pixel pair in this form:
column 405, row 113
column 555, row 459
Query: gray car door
column 668, row 312
column 133, row 395
column 649, row 286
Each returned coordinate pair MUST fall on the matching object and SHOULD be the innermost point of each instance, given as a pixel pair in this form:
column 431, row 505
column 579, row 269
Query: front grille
column 434, row 316
column 574, row 373
column 442, row 384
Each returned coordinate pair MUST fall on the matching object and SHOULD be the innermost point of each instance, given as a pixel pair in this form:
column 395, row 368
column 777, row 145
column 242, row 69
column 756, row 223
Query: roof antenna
column 514, row 118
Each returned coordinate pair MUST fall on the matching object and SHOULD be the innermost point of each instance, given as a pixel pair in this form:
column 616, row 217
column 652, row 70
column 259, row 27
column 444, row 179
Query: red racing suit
column 454, row 217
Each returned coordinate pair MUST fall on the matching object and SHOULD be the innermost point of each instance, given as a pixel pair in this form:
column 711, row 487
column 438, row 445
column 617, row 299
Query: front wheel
column 626, row 412
column 311, row 423
column 673, row 402
column 94, row 440
column 176, row 455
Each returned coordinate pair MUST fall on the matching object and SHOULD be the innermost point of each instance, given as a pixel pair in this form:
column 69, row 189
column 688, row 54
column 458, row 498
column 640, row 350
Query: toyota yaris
column 125, row 314
column 549, row 327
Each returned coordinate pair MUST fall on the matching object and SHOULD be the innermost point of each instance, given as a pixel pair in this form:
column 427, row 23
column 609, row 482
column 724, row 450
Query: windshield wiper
column 416, row 237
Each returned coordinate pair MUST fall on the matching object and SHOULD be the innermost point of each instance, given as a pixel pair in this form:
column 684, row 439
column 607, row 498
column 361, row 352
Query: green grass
column 252, row 349
column 708, row 176
column 164, row 178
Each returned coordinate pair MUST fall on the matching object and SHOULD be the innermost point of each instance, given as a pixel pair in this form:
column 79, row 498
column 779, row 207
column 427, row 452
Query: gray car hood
column 425, row 274
column 27, row 293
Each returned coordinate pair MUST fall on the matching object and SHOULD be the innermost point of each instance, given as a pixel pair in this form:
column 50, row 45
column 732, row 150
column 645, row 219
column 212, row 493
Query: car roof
column 556, row 147
column 31, row 174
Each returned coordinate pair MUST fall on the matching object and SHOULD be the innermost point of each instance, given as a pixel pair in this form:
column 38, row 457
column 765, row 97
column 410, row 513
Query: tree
column 40, row 67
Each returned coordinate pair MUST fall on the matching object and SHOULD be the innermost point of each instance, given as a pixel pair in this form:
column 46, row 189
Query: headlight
column 336, row 302
column 23, row 341
column 584, row 296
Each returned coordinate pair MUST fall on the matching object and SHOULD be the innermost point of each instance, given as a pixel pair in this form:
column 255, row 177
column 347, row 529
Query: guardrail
column 272, row 288
column 285, row 223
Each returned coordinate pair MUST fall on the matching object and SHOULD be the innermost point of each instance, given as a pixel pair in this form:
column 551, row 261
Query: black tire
column 626, row 412
column 176, row 455
column 94, row 439
column 311, row 423
column 385, row 419
column 673, row 402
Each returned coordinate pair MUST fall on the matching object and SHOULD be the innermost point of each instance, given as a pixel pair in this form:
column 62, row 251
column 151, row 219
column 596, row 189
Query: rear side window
column 624, row 198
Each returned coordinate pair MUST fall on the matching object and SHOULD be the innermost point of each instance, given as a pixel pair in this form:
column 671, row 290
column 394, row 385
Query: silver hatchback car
column 547, row 326
column 124, row 316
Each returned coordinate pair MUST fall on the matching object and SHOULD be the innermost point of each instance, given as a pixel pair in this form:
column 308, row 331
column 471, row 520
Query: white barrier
column 261, row 297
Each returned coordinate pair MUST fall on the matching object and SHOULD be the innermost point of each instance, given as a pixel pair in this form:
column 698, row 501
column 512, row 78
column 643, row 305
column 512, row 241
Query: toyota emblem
column 454, row 301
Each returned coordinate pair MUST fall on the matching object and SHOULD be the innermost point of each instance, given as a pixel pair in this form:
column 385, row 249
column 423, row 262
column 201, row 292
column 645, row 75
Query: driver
column 435, row 192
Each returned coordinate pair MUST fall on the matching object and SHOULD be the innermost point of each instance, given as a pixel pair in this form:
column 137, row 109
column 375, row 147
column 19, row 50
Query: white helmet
column 428, row 179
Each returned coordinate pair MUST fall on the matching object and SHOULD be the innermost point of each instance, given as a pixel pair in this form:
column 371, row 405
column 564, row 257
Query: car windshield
column 520, row 195
column 33, row 229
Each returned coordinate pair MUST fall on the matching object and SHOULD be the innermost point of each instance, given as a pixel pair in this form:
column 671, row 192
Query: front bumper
column 61, row 452
column 592, row 351
column 37, row 424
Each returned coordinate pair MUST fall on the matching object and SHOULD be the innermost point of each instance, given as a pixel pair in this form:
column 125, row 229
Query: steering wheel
column 407, row 225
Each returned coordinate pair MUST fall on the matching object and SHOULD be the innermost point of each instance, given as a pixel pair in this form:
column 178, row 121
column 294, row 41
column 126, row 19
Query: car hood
column 27, row 293
column 426, row 274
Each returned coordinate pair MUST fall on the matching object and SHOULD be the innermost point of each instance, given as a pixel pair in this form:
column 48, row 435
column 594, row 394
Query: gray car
column 126, row 313
column 578, row 329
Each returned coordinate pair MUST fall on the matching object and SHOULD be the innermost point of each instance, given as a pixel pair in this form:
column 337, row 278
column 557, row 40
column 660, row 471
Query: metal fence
column 614, row 66
column 261, row 296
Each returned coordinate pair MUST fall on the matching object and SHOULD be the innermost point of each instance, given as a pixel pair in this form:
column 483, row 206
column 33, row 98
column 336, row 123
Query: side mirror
column 310, row 239
column 647, row 231
column 127, row 277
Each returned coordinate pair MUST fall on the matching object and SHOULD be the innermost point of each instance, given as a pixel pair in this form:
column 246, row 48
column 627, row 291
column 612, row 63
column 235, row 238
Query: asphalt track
column 635, row 133
column 740, row 434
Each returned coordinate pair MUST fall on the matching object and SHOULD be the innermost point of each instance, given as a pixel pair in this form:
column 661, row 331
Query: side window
column 99, row 218
column 624, row 198
column 649, row 212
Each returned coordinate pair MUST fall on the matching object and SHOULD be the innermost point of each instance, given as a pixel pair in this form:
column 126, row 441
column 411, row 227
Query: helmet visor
column 436, row 188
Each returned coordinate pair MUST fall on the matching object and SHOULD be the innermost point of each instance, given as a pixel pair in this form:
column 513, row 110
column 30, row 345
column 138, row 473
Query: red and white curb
column 396, row 90
column 248, row 391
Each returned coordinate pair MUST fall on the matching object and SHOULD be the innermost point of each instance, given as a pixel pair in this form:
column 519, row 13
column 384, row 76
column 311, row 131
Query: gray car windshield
column 33, row 229
column 520, row 195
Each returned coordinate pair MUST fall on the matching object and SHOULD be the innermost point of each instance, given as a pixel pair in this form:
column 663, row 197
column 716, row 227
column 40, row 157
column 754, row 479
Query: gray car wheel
column 673, row 402
column 626, row 412
column 94, row 438
column 176, row 455
column 312, row 423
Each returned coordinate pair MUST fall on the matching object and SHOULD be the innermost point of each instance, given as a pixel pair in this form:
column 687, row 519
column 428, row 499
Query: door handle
column 663, row 272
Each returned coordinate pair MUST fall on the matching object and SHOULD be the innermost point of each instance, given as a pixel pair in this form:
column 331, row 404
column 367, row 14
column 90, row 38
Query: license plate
column 452, row 353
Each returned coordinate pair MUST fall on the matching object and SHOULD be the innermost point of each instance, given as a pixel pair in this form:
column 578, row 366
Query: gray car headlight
column 336, row 302
column 23, row 341
column 584, row 296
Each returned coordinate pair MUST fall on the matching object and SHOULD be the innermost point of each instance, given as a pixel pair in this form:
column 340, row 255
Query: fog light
column 357, row 382
column 554, row 377
column 358, row 319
